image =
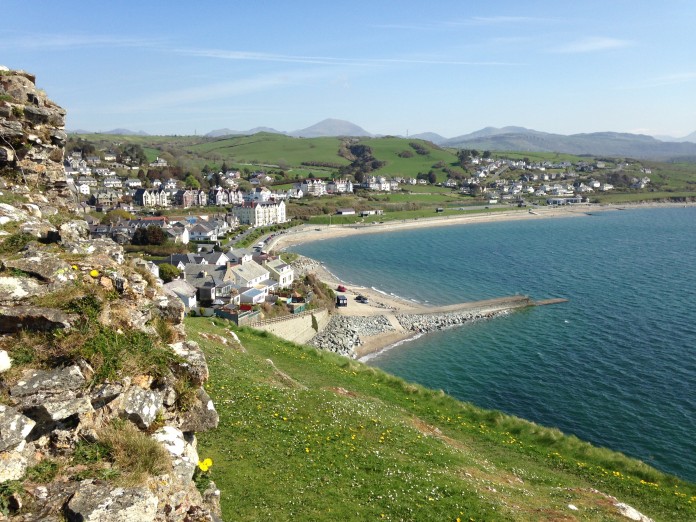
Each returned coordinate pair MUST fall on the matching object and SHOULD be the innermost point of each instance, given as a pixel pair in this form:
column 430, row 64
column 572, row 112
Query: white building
column 313, row 186
column 259, row 214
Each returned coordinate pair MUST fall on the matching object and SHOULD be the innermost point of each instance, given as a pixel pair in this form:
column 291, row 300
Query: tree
column 113, row 216
column 432, row 178
column 152, row 235
column 168, row 272
column 192, row 182
column 486, row 154
column 155, row 235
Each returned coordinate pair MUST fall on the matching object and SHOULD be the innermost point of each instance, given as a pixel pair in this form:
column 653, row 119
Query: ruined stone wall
column 32, row 136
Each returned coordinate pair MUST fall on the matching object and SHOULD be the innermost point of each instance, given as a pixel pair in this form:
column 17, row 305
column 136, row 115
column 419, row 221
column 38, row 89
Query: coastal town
column 112, row 180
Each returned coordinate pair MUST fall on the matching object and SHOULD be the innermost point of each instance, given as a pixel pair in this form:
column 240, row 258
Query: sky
column 392, row 67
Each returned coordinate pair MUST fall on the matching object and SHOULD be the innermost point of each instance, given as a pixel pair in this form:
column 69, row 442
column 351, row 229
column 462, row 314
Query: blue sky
column 450, row 67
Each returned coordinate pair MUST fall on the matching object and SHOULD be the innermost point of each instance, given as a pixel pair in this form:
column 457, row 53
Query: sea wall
column 297, row 329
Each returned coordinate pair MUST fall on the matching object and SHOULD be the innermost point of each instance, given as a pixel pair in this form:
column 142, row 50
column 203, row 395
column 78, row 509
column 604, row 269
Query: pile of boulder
column 424, row 323
column 344, row 333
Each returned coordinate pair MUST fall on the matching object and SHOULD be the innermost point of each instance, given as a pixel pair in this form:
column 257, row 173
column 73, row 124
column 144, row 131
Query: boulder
column 14, row 427
column 43, row 265
column 171, row 309
column 97, row 502
column 63, row 382
column 140, row 406
column 34, row 318
column 74, row 231
column 46, row 409
column 201, row 416
column 193, row 364
column 184, row 455
column 16, row 289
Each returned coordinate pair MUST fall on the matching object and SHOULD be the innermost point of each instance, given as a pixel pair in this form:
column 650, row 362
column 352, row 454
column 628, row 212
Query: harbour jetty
column 357, row 336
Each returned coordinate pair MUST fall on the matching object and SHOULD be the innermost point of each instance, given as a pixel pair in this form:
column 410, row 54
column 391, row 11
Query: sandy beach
column 389, row 306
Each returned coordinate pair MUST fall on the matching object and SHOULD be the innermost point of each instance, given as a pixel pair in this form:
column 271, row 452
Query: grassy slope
column 388, row 149
column 273, row 149
column 314, row 436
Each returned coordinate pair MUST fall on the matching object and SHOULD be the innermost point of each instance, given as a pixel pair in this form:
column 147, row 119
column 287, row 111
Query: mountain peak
column 330, row 127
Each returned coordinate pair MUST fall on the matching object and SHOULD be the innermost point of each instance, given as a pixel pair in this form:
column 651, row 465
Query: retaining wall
column 296, row 329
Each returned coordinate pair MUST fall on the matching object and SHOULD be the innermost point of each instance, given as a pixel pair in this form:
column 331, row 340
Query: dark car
column 362, row 299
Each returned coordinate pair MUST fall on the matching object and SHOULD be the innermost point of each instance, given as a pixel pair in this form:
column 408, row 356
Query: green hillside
column 272, row 149
column 388, row 149
column 308, row 435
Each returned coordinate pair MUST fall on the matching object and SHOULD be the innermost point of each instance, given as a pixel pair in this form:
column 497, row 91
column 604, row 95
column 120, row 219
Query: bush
column 168, row 272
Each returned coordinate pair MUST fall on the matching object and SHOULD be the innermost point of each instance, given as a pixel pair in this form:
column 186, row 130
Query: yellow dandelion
column 94, row 273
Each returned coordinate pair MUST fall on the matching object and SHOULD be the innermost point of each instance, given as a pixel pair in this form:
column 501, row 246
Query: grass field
column 308, row 435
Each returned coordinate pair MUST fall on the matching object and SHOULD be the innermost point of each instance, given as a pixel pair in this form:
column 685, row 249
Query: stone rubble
column 424, row 323
column 344, row 333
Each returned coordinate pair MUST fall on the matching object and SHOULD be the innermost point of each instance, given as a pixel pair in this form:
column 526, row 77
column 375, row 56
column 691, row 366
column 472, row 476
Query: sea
column 615, row 365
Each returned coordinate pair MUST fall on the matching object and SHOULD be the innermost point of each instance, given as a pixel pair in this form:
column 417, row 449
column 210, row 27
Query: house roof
column 249, row 271
column 180, row 286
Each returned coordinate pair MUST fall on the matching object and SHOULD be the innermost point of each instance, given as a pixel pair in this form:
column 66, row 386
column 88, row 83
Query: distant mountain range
column 118, row 132
column 518, row 139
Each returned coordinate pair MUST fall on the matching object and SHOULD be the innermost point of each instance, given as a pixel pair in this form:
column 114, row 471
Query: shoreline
column 387, row 307
column 311, row 233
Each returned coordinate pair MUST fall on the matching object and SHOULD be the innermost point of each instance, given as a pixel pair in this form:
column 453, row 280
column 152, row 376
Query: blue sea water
column 615, row 365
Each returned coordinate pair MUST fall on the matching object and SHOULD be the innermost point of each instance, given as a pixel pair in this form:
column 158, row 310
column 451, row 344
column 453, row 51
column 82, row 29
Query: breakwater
column 344, row 334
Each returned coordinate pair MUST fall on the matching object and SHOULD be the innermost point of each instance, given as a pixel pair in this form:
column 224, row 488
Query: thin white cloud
column 52, row 42
column 324, row 60
column 592, row 44
column 663, row 81
column 674, row 79
column 469, row 22
column 219, row 91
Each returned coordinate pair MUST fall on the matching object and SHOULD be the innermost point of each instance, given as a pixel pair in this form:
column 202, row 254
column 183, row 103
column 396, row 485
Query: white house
column 184, row 291
column 280, row 272
column 313, row 186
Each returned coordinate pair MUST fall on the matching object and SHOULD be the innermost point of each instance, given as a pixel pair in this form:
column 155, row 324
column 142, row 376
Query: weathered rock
column 194, row 365
column 13, row 465
column 105, row 393
column 16, row 289
column 32, row 209
column 171, row 309
column 177, row 501
column 201, row 416
column 17, row 318
column 45, row 409
column 65, row 382
column 14, row 427
column 44, row 265
column 94, row 502
column 140, row 406
column 184, row 455
column 5, row 361
column 74, row 231
column 106, row 248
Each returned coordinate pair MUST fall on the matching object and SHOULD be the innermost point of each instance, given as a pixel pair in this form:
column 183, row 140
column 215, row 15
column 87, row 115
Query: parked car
column 362, row 299
column 341, row 288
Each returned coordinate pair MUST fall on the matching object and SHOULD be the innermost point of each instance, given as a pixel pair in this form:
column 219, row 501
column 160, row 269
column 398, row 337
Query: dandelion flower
column 94, row 273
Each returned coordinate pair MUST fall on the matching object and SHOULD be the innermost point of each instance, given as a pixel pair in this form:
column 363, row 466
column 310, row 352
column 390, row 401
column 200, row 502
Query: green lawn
column 308, row 435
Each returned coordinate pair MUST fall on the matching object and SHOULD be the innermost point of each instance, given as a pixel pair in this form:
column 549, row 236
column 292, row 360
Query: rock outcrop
column 32, row 136
column 90, row 344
